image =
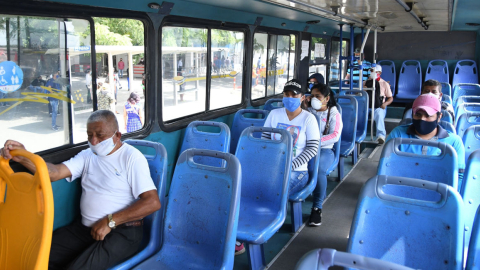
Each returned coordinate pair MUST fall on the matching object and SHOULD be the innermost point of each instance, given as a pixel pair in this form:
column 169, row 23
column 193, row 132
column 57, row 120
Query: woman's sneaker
column 315, row 217
column 239, row 248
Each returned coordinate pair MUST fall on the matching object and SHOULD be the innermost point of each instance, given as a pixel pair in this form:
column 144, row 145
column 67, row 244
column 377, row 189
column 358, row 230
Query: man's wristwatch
column 111, row 222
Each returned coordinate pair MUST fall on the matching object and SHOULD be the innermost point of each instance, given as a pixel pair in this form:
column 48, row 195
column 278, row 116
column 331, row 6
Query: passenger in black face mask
column 427, row 113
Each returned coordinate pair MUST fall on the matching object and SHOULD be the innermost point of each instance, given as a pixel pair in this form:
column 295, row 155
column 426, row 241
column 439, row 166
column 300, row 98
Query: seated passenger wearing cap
column 434, row 87
column 427, row 113
column 385, row 99
column 303, row 125
column 117, row 193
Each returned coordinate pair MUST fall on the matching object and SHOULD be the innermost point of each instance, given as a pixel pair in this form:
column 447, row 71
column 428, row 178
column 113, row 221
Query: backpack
column 378, row 100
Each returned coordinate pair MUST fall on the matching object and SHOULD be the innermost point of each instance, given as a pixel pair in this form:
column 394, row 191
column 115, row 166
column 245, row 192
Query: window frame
column 207, row 114
column 69, row 11
column 336, row 39
column 320, row 61
column 277, row 32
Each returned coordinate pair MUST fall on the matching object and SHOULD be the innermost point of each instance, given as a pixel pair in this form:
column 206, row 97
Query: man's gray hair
column 105, row 116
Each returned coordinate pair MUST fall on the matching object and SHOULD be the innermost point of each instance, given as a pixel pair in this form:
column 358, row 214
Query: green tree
column 133, row 29
column 103, row 36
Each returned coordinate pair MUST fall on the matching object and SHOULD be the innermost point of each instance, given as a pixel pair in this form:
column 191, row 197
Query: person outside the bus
column 105, row 98
column 88, row 83
column 427, row 113
column 305, row 140
column 386, row 98
column 53, row 102
column 121, row 67
column 322, row 103
column 117, row 193
column 37, row 84
column 434, row 87
column 132, row 113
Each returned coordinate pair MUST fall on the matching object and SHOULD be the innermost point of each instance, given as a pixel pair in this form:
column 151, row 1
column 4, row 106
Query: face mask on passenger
column 374, row 76
column 103, row 148
column 317, row 104
column 311, row 84
column 424, row 127
column 291, row 104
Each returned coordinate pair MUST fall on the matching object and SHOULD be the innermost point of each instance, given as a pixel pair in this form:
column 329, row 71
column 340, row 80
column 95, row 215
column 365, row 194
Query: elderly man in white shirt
column 117, row 193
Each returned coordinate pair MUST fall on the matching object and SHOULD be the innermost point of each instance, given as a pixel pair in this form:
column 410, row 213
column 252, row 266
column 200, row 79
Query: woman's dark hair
column 326, row 91
column 133, row 97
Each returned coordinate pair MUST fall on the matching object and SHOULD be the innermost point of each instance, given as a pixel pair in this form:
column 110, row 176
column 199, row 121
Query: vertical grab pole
column 351, row 57
column 373, row 85
column 361, row 82
column 340, row 60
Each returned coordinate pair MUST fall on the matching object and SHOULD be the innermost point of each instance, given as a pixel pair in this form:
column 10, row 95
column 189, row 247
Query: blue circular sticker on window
column 11, row 77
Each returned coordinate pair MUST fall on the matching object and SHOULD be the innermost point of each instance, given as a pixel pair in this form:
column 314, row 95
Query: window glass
column 334, row 62
column 275, row 54
column 184, row 67
column 119, row 47
column 227, row 66
column 44, row 101
column 259, row 71
column 318, row 49
column 322, row 69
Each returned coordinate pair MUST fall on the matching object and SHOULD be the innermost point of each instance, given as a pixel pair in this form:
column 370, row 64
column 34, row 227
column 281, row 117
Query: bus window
column 273, row 63
column 119, row 48
column 44, row 100
column 184, row 67
column 227, row 68
column 322, row 69
column 335, row 63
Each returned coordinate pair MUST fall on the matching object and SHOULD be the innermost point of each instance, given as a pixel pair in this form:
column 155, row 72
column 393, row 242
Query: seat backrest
column 409, row 80
column 349, row 118
column 447, row 98
column 201, row 139
column 446, row 88
column 336, row 148
column 470, row 194
column 241, row 121
column 412, row 232
column 444, row 124
column 324, row 258
column 467, row 120
column 466, row 108
column 447, row 117
column 203, row 207
column 26, row 215
column 471, row 140
column 408, row 114
column 156, row 156
column 397, row 159
column 466, row 71
column 388, row 73
column 437, row 70
column 273, row 103
column 266, row 166
column 473, row 258
column 464, row 89
column 362, row 111
column 467, row 99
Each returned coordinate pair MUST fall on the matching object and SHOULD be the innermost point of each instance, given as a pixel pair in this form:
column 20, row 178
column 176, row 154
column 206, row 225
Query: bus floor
column 338, row 212
column 284, row 253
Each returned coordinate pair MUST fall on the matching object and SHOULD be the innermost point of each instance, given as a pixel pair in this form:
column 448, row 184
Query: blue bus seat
column 442, row 168
column 336, row 149
column 444, row 124
column 408, row 114
column 445, row 116
column 466, row 71
column 362, row 115
column 323, row 259
column 466, row 108
column 240, row 122
column 464, row 89
column 202, row 215
column 467, row 120
column 266, row 166
column 152, row 224
column 470, row 194
column 195, row 138
column 349, row 119
column 409, row 81
column 447, row 99
column 473, row 258
column 273, row 103
column 471, row 140
column 415, row 233
column 467, row 99
column 437, row 70
column 296, row 199
column 446, row 88
column 388, row 73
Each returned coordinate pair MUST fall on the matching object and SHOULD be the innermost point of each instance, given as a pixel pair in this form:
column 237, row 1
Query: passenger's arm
column 388, row 94
column 387, row 102
column 55, row 171
column 147, row 203
column 140, row 116
column 313, row 139
column 125, row 117
column 334, row 131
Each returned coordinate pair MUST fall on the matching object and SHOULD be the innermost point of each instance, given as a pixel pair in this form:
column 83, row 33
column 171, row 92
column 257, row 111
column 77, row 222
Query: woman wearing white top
column 322, row 103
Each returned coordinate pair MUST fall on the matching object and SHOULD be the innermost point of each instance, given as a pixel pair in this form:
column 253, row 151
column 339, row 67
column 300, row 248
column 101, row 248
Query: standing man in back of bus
column 117, row 193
